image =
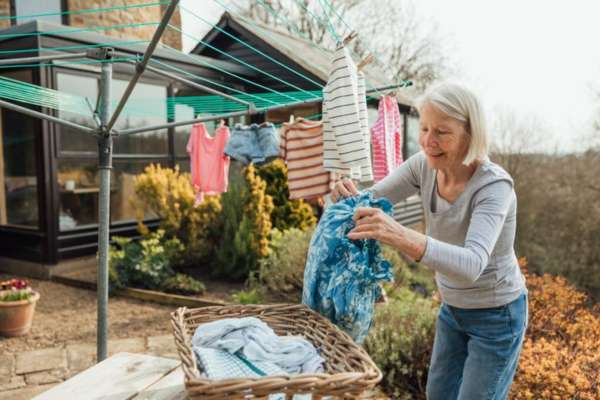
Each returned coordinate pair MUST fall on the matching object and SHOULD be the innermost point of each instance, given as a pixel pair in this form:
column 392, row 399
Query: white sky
column 540, row 58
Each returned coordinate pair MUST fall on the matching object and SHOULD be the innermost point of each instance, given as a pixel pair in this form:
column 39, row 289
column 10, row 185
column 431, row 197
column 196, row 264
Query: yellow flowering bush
column 246, row 226
column 286, row 213
column 169, row 195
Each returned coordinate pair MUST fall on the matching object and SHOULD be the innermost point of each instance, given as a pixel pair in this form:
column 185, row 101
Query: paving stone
column 25, row 394
column 80, row 356
column 7, row 365
column 13, row 383
column 42, row 377
column 133, row 345
column 41, row 360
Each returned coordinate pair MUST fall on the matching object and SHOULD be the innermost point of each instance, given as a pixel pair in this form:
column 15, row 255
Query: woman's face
column 444, row 139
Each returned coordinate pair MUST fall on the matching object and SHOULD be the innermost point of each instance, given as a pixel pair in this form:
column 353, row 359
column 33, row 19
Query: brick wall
column 4, row 12
column 118, row 17
column 128, row 16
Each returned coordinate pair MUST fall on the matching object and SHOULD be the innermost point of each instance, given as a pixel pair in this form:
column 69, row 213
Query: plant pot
column 16, row 316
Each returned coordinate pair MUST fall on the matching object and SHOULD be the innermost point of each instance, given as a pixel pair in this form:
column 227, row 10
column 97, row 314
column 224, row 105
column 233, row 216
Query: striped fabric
column 386, row 135
column 301, row 147
column 346, row 148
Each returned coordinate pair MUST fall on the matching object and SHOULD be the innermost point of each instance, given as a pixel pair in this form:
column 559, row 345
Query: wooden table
column 124, row 376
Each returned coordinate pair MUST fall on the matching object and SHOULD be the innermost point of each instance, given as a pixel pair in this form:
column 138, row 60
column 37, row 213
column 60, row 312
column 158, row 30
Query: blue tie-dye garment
column 342, row 275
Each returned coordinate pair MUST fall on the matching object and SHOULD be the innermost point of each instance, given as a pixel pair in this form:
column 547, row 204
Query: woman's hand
column 343, row 188
column 373, row 223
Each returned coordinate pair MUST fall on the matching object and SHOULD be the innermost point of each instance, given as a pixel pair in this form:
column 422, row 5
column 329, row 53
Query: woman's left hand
column 373, row 223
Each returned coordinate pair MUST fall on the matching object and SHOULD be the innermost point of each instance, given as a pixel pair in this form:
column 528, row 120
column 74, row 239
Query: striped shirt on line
column 302, row 149
column 346, row 148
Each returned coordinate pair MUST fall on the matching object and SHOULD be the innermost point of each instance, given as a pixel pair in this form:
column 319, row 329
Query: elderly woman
column 470, row 218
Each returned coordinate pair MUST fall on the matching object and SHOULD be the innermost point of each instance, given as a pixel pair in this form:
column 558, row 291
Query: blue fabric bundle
column 341, row 278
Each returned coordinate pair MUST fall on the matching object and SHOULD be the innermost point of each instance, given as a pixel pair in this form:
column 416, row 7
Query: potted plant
column 17, row 304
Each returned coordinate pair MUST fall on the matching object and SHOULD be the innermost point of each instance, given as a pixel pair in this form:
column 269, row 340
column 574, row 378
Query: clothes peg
column 350, row 38
column 221, row 123
column 366, row 61
column 291, row 118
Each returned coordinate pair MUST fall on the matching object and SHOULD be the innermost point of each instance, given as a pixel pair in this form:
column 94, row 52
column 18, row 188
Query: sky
column 538, row 58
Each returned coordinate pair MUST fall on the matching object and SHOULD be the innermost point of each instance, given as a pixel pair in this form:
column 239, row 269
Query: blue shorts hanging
column 256, row 144
column 341, row 278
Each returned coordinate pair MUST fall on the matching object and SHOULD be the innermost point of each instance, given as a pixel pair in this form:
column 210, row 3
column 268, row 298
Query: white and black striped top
column 346, row 138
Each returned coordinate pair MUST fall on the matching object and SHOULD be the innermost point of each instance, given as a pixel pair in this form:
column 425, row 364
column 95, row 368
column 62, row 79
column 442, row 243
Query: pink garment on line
column 209, row 165
column 386, row 136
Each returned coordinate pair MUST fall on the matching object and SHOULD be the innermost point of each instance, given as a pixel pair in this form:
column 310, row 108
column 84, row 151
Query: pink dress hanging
column 209, row 165
column 386, row 136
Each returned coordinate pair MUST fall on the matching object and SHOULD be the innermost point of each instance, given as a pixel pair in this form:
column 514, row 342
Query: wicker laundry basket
column 349, row 371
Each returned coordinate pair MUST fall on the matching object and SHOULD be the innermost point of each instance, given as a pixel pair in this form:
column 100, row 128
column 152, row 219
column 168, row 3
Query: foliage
column 169, row 195
column 281, row 273
column 286, row 213
column 559, row 214
column 183, row 284
column 408, row 274
column 246, row 222
column 252, row 296
column 415, row 49
column 561, row 353
column 15, row 290
column 148, row 263
column 400, row 343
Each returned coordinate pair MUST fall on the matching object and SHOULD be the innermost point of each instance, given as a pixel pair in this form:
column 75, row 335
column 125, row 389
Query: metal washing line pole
column 105, row 133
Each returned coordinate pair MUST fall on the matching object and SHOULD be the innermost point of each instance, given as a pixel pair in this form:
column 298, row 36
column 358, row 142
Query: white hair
column 460, row 103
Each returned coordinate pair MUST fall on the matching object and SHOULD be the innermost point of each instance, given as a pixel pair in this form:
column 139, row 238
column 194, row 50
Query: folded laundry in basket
column 220, row 364
column 256, row 342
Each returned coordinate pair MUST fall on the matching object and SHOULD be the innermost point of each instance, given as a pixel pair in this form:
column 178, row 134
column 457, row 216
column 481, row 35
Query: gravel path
column 66, row 314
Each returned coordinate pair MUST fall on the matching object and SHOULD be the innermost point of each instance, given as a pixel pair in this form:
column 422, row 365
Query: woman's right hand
column 343, row 188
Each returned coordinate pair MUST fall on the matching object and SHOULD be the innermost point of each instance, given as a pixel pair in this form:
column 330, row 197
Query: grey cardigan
column 470, row 244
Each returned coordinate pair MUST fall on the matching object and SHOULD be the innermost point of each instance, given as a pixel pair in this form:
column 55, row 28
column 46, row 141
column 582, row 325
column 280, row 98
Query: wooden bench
column 124, row 376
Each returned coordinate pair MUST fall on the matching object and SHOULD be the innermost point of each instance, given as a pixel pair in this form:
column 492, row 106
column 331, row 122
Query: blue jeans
column 476, row 351
column 256, row 144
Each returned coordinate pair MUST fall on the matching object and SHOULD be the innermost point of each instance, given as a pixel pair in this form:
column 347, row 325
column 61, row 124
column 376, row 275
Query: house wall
column 171, row 37
column 4, row 12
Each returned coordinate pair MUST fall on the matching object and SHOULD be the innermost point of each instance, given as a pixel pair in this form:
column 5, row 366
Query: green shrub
column 148, row 264
column 410, row 275
column 286, row 213
column 252, row 296
column 183, row 284
column 281, row 273
column 144, row 263
column 246, row 225
column 400, row 343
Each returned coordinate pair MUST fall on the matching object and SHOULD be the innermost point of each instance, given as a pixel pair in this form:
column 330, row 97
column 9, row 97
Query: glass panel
column 412, row 135
column 85, row 86
column 78, row 185
column 122, row 197
column 182, row 113
column 184, row 165
column 18, row 177
column 147, row 106
column 24, row 7
column 79, row 188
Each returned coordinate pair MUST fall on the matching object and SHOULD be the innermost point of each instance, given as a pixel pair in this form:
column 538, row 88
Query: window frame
column 64, row 6
column 59, row 153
